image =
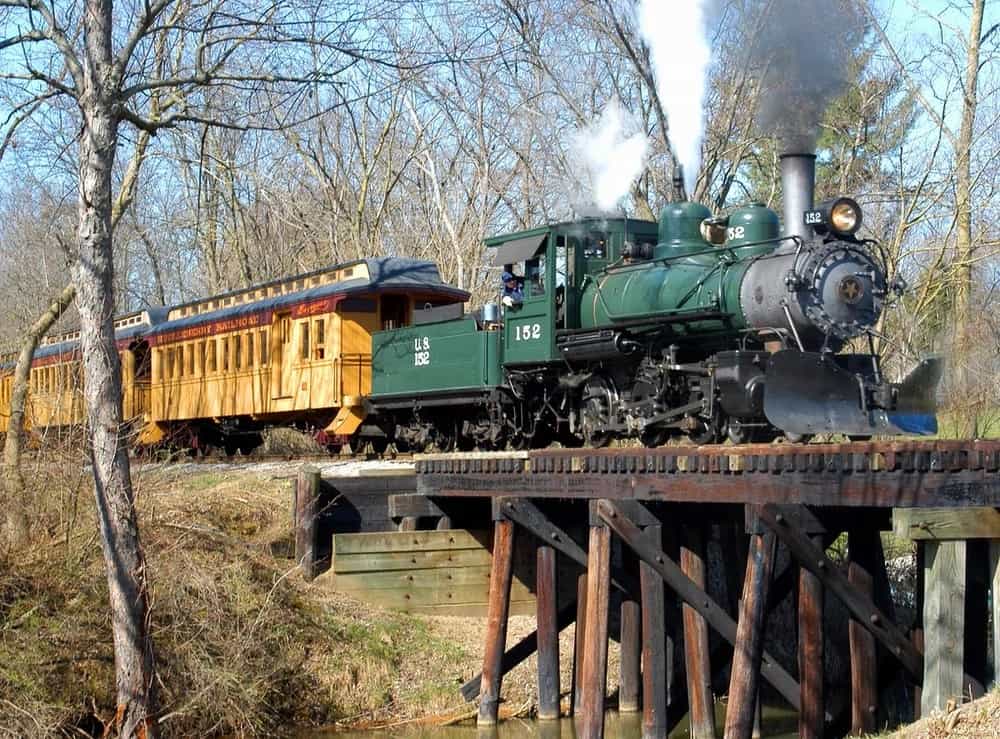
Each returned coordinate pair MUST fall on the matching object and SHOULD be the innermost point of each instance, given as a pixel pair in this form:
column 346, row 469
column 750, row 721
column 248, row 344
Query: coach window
column 224, row 354
column 250, row 354
column 189, row 360
column 319, row 352
column 263, row 347
column 304, row 339
column 238, row 349
column 199, row 359
column 210, row 356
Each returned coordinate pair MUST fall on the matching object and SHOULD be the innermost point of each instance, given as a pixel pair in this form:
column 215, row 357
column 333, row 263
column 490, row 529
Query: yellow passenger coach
column 294, row 351
column 216, row 372
column 55, row 385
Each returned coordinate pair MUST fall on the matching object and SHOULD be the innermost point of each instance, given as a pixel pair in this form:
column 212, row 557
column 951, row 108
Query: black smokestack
column 803, row 53
column 798, row 178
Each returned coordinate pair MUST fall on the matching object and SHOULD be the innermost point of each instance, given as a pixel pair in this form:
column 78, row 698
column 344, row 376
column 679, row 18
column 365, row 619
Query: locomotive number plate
column 421, row 351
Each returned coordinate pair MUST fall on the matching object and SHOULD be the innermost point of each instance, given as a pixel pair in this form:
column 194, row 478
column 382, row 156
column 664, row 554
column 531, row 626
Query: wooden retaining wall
column 434, row 572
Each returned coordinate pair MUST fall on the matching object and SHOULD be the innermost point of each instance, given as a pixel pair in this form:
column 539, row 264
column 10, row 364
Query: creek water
column 778, row 723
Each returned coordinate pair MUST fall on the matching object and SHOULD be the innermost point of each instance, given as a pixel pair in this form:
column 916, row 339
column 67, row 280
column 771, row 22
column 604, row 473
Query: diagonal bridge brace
column 861, row 606
column 619, row 522
column 527, row 515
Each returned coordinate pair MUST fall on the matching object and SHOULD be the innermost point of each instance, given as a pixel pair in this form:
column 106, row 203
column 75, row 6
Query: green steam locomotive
column 709, row 327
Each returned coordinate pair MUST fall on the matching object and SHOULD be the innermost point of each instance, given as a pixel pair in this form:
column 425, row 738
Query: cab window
column 534, row 277
column 595, row 245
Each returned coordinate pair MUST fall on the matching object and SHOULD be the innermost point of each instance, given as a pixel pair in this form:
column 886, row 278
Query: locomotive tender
column 696, row 325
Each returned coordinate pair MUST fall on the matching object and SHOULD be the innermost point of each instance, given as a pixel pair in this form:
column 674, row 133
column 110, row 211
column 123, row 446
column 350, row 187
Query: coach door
column 282, row 356
column 358, row 321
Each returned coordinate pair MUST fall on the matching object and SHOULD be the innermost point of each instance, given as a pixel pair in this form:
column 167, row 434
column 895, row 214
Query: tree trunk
column 964, row 246
column 93, row 274
column 17, row 518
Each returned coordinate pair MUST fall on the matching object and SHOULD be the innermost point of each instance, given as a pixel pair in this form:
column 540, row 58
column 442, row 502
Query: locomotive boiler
column 699, row 325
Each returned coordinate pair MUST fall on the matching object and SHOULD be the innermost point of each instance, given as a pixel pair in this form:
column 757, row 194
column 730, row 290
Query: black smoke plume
column 803, row 54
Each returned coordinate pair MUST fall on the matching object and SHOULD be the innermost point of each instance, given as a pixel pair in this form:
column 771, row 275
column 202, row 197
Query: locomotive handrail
column 714, row 250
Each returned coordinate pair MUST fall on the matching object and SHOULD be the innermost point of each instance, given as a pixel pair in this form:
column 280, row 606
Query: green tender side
column 451, row 356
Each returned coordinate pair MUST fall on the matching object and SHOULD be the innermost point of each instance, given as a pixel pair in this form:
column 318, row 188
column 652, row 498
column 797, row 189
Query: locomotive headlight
column 845, row 216
column 841, row 216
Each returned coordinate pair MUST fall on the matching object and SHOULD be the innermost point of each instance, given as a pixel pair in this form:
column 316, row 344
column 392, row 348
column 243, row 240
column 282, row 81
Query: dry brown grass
column 244, row 646
column 979, row 719
column 279, row 440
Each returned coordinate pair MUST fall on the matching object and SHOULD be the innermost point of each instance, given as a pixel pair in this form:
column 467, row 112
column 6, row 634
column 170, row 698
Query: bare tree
column 109, row 74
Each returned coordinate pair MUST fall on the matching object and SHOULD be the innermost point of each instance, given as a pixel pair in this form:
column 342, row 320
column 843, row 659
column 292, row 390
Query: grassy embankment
column 979, row 719
column 243, row 644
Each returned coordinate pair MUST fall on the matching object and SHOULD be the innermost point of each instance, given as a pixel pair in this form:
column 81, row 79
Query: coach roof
column 384, row 273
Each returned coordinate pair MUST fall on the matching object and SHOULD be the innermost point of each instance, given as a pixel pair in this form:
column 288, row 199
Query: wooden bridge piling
column 657, row 660
column 944, row 617
column 811, row 653
column 501, row 572
column 864, row 667
column 579, row 643
column 697, row 664
column 749, row 647
column 590, row 722
column 548, row 632
column 630, row 662
column 307, row 512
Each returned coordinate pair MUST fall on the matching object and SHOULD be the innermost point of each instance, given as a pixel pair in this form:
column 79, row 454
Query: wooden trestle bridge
column 628, row 528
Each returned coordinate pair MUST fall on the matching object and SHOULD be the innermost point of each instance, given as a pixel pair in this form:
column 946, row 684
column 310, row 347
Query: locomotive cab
column 557, row 263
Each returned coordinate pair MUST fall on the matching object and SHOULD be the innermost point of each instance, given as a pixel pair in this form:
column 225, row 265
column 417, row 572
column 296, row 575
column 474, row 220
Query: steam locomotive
column 707, row 327
column 701, row 326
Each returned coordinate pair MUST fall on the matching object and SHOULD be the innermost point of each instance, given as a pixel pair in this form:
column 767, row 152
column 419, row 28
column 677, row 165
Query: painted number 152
column 528, row 332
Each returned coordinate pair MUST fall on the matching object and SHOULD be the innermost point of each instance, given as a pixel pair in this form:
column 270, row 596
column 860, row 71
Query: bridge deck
column 879, row 474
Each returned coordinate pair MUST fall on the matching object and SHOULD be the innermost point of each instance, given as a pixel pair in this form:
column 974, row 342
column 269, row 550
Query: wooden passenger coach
column 217, row 371
column 297, row 349
column 55, row 398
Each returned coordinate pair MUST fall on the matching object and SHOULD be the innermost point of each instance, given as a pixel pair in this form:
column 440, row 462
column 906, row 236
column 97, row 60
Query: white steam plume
column 613, row 158
column 674, row 30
